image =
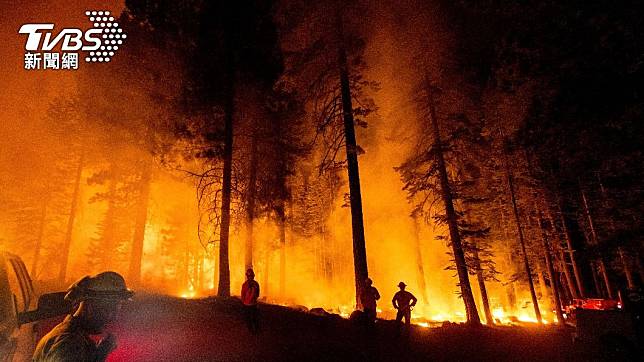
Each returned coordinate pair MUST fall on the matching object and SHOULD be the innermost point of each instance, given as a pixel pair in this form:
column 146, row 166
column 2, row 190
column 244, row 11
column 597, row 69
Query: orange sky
column 25, row 94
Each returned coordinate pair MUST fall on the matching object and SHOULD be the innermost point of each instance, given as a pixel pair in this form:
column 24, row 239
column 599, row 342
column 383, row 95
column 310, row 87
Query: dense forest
column 486, row 153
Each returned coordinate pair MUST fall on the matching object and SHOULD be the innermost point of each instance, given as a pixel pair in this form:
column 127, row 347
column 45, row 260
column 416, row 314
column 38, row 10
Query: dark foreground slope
column 157, row 328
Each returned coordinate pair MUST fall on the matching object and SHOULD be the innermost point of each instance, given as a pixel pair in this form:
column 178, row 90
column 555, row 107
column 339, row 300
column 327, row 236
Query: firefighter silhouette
column 404, row 302
column 249, row 295
column 98, row 300
column 368, row 299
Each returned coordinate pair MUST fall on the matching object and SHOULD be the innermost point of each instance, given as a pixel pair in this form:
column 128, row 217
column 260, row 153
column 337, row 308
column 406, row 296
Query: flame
column 344, row 311
column 526, row 318
column 188, row 295
column 319, row 267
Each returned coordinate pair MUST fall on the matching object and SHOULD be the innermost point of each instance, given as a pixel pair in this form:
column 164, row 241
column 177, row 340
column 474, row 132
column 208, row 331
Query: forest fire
column 369, row 160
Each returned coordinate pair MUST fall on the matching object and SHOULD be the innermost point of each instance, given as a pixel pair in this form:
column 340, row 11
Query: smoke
column 404, row 39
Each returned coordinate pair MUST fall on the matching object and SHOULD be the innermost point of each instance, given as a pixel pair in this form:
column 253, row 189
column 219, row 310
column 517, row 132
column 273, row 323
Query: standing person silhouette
column 368, row 298
column 249, row 295
column 403, row 301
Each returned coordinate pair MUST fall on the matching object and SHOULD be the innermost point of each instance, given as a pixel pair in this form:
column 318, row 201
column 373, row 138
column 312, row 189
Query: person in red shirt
column 368, row 298
column 249, row 295
column 403, row 301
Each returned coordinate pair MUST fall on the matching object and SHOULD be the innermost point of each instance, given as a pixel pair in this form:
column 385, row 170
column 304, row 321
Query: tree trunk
column 517, row 220
column 200, row 277
column 184, row 280
column 572, row 288
column 526, row 264
column 250, row 203
column 359, row 250
column 39, row 237
column 581, row 289
column 510, row 285
column 281, row 223
column 511, row 294
column 223, row 289
column 604, row 272
column 554, row 285
column 267, row 263
column 481, row 280
column 598, row 289
column 593, row 234
column 419, row 260
column 452, row 218
column 141, row 219
column 110, row 223
column 69, row 231
column 623, row 257
column 627, row 268
column 545, row 295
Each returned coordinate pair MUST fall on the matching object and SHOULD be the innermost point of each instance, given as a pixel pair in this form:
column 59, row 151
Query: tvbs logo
column 97, row 44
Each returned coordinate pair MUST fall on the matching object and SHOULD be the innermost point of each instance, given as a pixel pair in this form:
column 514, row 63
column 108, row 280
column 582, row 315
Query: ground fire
column 283, row 178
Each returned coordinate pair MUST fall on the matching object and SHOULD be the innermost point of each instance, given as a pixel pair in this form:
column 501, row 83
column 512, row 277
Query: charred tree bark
column 69, row 231
column 572, row 253
column 452, row 218
column 481, row 280
column 140, row 221
column 250, row 203
column 223, row 289
column 357, row 225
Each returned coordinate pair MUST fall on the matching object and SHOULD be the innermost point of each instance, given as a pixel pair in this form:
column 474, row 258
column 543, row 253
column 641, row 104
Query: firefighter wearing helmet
column 404, row 302
column 368, row 298
column 98, row 300
column 249, row 295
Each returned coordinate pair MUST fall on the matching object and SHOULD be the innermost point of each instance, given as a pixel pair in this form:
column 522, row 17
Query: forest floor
column 162, row 328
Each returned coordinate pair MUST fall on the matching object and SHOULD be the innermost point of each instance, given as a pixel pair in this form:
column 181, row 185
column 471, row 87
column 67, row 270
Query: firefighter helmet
column 104, row 286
